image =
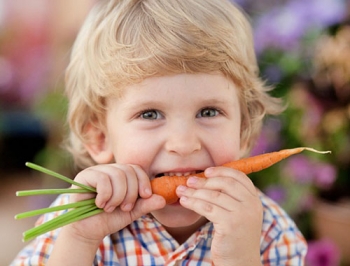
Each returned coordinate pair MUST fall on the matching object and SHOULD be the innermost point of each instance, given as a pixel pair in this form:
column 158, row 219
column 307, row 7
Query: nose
column 183, row 140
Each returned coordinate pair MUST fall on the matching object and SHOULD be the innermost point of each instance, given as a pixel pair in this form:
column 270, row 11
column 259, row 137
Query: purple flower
column 284, row 26
column 303, row 170
column 325, row 12
column 325, row 175
column 278, row 28
column 322, row 253
column 276, row 193
column 299, row 168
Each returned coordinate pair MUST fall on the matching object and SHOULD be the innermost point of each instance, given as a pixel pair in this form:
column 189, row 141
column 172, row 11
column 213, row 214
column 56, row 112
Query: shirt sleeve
column 37, row 251
column 282, row 243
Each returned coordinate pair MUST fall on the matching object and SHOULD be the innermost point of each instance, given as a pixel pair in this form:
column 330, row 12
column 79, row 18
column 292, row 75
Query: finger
column 214, row 197
column 110, row 183
column 211, row 211
column 229, row 172
column 131, row 178
column 225, row 185
column 98, row 180
column 144, row 184
column 145, row 206
column 215, row 205
column 130, row 175
column 124, row 187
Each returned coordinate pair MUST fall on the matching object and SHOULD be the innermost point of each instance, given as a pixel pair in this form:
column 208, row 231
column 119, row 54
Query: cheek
column 226, row 148
column 227, row 154
column 129, row 149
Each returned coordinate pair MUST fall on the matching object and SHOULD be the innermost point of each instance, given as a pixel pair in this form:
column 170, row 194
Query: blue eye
column 208, row 112
column 150, row 115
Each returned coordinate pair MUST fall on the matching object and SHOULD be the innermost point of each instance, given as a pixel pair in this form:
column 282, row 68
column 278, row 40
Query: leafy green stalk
column 35, row 192
column 62, row 177
column 62, row 220
column 76, row 211
column 55, row 208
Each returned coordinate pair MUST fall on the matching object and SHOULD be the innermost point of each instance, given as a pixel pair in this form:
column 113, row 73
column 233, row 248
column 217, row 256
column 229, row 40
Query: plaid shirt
column 146, row 242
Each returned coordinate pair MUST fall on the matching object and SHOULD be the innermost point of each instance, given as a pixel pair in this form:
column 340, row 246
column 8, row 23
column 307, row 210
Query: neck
column 181, row 234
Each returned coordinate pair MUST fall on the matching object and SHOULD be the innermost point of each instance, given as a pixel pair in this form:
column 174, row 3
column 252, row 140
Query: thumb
column 145, row 206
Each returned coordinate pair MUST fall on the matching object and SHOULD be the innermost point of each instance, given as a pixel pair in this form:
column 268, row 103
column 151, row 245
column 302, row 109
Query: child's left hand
column 228, row 199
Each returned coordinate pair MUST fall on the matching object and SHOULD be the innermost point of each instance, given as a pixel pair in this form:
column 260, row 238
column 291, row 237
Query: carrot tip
column 316, row 151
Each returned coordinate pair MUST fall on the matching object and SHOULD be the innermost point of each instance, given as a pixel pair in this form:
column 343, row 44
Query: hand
column 123, row 191
column 230, row 201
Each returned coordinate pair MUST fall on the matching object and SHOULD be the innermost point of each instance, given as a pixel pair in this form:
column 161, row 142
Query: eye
column 208, row 112
column 150, row 115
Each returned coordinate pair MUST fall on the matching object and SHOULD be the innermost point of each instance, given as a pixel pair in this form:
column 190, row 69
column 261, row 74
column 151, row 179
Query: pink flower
column 276, row 193
column 300, row 169
column 303, row 170
column 325, row 175
column 323, row 252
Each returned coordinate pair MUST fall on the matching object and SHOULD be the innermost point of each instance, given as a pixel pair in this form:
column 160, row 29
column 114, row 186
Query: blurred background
column 303, row 48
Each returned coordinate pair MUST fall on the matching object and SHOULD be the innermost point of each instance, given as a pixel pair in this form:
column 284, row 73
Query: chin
column 175, row 215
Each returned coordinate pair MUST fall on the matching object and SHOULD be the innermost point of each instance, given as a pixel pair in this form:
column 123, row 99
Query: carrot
column 165, row 186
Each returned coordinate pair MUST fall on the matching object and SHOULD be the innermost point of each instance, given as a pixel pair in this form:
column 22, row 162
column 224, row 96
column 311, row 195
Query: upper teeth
column 180, row 174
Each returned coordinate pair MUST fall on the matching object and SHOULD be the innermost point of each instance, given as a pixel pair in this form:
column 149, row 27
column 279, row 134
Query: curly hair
column 123, row 42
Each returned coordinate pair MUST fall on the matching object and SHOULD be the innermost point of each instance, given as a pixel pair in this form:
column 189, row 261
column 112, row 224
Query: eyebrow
column 146, row 103
column 214, row 101
column 155, row 102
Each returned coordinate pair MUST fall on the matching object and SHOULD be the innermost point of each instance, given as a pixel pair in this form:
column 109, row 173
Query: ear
column 97, row 145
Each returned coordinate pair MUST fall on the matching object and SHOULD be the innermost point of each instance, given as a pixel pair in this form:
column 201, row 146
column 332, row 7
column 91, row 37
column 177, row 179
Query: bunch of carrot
column 164, row 186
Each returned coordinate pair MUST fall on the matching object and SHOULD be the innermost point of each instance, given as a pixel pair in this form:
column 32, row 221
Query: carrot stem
column 55, row 208
column 62, row 220
column 62, row 177
column 79, row 210
column 35, row 192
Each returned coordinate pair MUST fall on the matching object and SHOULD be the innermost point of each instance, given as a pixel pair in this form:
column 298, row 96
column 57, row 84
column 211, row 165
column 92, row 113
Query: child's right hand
column 123, row 191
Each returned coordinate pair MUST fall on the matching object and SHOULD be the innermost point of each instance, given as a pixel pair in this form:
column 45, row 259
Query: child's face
column 175, row 124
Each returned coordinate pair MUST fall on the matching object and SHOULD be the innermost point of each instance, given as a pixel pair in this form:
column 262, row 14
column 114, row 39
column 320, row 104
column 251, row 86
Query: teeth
column 179, row 174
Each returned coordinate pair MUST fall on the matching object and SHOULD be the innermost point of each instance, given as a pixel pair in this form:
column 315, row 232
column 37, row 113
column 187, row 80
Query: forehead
column 204, row 88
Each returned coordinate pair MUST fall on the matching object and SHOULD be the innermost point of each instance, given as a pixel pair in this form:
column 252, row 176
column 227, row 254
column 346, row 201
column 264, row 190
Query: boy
column 167, row 87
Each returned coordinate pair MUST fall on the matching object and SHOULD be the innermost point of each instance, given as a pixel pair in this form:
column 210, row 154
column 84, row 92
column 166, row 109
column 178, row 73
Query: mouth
column 188, row 173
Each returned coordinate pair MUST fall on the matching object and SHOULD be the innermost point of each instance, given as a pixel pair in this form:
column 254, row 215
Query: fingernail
column 181, row 188
column 148, row 191
column 192, row 180
column 209, row 170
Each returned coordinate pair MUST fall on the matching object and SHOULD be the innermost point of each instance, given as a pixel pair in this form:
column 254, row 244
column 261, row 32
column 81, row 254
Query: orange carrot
column 165, row 186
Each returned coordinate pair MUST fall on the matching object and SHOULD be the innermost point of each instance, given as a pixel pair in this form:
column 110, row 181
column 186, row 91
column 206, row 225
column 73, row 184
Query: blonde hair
column 122, row 42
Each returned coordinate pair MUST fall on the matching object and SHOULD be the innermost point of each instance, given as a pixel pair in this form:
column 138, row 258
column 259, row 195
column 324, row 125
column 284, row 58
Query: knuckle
column 230, row 182
column 102, row 177
column 117, row 172
column 134, row 167
column 80, row 176
column 128, row 169
column 207, row 207
column 214, row 194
